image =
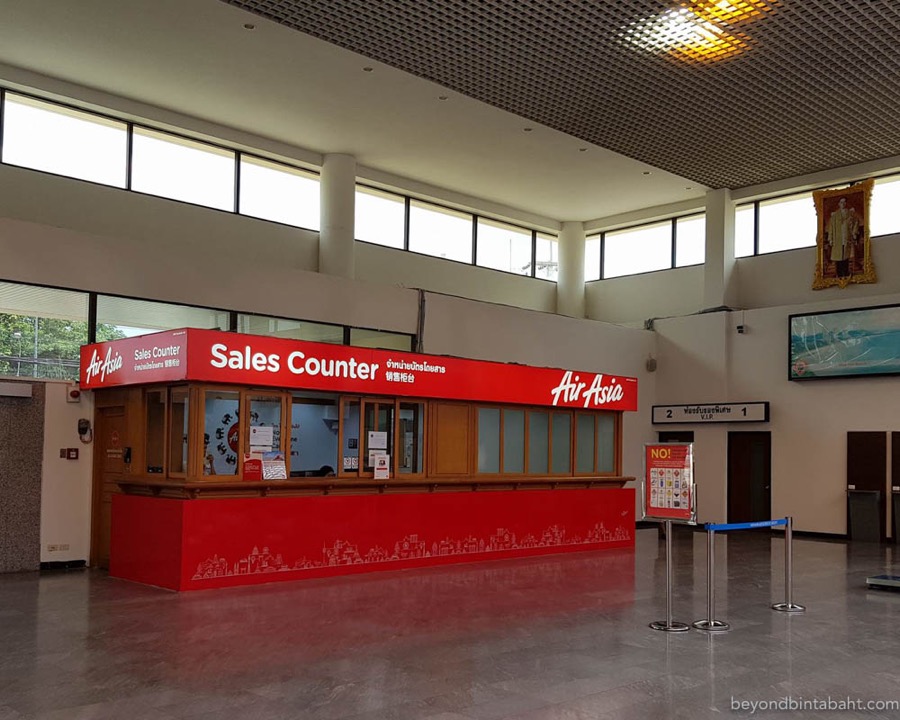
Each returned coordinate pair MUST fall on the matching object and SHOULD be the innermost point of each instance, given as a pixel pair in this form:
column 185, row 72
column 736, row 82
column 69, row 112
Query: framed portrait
column 843, row 250
column 845, row 343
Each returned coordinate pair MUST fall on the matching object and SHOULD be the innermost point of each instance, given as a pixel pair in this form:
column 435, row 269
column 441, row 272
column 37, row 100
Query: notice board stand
column 668, row 495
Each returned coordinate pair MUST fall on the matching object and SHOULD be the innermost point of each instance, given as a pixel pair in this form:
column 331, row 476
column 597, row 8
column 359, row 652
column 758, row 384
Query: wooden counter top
column 210, row 489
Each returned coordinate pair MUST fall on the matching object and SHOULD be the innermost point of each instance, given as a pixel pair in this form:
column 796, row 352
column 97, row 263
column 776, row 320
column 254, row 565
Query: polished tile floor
column 558, row 637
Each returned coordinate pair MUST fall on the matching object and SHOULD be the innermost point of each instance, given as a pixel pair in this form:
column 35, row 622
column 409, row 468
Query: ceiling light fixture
column 646, row 172
column 528, row 129
column 249, row 26
column 368, row 69
column 442, row 97
column 699, row 30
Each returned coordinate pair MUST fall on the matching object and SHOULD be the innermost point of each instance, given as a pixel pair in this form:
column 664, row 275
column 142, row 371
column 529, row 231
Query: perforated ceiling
column 729, row 93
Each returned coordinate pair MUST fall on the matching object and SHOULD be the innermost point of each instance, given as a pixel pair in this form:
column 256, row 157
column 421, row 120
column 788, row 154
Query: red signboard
column 220, row 357
column 668, row 483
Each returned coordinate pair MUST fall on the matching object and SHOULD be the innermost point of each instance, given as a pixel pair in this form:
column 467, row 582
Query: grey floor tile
column 551, row 638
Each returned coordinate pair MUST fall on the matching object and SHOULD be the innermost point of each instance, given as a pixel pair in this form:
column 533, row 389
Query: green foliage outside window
column 45, row 348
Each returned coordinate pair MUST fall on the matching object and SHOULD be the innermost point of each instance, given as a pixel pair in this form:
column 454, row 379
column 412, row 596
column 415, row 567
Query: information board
column 667, row 487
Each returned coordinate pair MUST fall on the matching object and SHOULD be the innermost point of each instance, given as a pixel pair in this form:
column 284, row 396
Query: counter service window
column 221, row 432
column 538, row 442
column 350, row 435
column 179, row 402
column 560, row 444
column 155, row 404
column 513, row 441
column 314, row 434
column 411, row 438
column 378, row 431
column 265, row 424
column 488, row 440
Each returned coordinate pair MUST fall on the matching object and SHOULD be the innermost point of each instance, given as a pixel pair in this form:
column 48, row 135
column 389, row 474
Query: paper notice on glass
column 377, row 440
column 382, row 467
column 262, row 436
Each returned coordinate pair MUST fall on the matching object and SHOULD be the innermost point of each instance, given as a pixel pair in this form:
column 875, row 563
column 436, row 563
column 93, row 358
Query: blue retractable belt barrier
column 745, row 526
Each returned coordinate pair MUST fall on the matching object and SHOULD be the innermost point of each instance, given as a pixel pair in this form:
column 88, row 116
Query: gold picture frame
column 843, row 248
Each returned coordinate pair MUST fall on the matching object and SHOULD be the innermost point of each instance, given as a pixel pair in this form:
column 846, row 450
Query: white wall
column 406, row 269
column 785, row 278
column 703, row 359
column 65, row 484
column 632, row 300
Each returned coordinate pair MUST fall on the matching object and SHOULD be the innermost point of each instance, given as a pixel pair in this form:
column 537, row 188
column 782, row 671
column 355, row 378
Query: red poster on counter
column 668, row 483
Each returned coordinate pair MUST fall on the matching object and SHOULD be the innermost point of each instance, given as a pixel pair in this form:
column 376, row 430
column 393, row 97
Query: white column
column 719, row 276
column 337, row 204
column 570, row 284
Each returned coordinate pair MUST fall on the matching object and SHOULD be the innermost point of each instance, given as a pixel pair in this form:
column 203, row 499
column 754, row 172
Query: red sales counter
column 226, row 460
column 194, row 544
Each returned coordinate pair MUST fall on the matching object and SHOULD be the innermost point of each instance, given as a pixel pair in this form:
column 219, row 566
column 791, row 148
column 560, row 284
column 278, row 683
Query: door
column 109, row 468
column 749, row 476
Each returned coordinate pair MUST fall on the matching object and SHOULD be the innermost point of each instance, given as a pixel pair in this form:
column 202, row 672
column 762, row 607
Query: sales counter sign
column 212, row 356
column 668, row 483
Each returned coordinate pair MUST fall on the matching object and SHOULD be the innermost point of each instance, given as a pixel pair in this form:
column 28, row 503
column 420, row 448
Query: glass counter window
column 314, row 435
column 179, row 402
column 155, row 417
column 349, row 432
column 411, row 438
column 221, row 432
column 379, row 432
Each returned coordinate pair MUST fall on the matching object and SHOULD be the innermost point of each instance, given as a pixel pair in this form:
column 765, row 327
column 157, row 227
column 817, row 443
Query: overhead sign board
column 213, row 356
column 710, row 413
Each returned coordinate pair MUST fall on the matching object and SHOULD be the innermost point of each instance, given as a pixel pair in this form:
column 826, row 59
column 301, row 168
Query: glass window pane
column 503, row 247
column 440, row 232
column 360, row 337
column 314, row 435
column 547, row 257
column 584, row 443
column 561, row 443
column 606, row 443
column 379, row 417
column 513, row 441
column 272, row 191
column 350, row 437
column 690, row 240
column 181, row 169
column 380, row 217
column 488, row 440
column 178, row 432
column 412, row 438
column 743, row 230
column 221, row 432
column 48, row 137
column 884, row 211
column 155, row 431
column 638, row 250
column 265, row 412
column 130, row 317
column 787, row 223
column 42, row 331
column 538, row 443
column 292, row 329
column 592, row 258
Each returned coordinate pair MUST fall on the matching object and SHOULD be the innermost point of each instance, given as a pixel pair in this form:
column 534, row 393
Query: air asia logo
column 571, row 390
column 103, row 367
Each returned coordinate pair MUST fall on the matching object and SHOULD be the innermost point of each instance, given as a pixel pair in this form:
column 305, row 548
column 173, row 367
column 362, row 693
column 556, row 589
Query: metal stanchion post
column 710, row 624
column 668, row 625
column 789, row 605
